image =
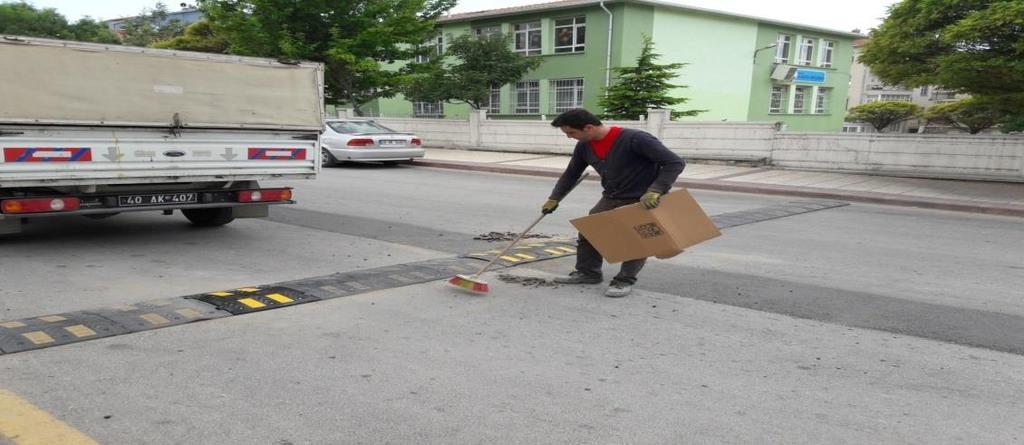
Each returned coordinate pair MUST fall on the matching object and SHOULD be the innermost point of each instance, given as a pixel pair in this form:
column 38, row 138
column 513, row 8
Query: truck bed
column 53, row 82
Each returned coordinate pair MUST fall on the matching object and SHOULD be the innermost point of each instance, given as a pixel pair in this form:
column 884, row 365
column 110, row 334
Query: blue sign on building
column 809, row 76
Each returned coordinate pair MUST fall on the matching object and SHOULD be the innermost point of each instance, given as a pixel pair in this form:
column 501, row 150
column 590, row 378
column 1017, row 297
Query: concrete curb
column 735, row 186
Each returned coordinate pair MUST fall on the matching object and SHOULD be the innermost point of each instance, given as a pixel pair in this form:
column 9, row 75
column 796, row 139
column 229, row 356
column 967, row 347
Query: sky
column 843, row 15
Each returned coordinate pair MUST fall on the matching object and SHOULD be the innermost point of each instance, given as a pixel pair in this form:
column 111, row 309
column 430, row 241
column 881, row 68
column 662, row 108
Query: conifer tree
column 646, row 85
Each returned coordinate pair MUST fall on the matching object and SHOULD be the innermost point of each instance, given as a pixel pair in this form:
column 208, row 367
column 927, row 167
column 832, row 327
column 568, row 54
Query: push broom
column 473, row 283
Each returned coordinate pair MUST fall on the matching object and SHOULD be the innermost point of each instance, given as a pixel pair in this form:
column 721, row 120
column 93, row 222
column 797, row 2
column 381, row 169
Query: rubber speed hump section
column 73, row 327
column 524, row 253
column 253, row 299
column 733, row 219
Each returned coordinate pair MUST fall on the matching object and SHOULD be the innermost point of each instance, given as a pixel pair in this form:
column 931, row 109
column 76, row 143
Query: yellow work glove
column 650, row 199
column 549, row 206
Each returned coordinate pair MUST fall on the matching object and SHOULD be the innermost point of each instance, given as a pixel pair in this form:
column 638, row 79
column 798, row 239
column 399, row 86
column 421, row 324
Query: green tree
column 89, row 30
column 970, row 115
column 970, row 46
column 644, row 86
column 150, row 27
column 355, row 40
column 200, row 36
column 883, row 114
column 23, row 19
column 470, row 67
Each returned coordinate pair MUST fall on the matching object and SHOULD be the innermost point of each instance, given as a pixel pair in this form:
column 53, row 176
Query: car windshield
column 358, row 127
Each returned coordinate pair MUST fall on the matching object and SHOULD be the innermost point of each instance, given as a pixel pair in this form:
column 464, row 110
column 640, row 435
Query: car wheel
column 326, row 159
column 209, row 217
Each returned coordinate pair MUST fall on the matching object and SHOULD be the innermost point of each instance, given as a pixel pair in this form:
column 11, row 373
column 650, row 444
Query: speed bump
column 253, row 299
column 53, row 330
column 744, row 217
column 528, row 252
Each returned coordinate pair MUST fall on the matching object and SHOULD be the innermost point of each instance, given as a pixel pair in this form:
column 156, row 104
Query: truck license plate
column 156, row 199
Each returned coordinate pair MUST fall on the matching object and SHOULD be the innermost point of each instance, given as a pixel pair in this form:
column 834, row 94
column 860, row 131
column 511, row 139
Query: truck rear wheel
column 209, row 217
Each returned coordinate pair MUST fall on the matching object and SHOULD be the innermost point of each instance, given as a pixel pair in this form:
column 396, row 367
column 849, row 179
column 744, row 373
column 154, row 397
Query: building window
column 494, row 100
column 777, row 102
column 567, row 94
column 889, row 98
column 527, row 38
column 782, row 45
column 828, row 49
column 432, row 48
column 800, row 99
column 821, row 101
column 487, row 31
column 924, row 91
column 527, row 97
column 806, row 51
column 570, row 35
column 428, row 109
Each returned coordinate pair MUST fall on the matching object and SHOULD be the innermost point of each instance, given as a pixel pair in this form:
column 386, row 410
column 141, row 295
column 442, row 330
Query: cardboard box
column 633, row 232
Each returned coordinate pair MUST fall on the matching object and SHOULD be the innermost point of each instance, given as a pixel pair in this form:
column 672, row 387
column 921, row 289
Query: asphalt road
column 856, row 324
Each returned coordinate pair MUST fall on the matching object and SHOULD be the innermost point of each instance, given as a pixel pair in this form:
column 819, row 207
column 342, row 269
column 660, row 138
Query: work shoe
column 618, row 289
column 577, row 277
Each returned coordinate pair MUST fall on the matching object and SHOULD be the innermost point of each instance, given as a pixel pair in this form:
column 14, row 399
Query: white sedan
column 346, row 140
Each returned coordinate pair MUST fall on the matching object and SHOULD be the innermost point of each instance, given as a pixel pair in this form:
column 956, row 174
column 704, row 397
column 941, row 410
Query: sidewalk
column 996, row 198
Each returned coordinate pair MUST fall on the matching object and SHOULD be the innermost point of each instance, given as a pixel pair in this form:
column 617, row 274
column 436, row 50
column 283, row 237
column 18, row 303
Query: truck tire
column 209, row 217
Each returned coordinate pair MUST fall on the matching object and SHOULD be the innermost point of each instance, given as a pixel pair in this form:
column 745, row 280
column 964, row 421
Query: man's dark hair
column 576, row 118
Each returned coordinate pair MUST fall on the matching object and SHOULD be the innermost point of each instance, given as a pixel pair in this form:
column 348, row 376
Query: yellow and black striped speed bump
column 387, row 277
column 529, row 252
column 157, row 314
column 73, row 327
column 253, row 299
column 59, row 329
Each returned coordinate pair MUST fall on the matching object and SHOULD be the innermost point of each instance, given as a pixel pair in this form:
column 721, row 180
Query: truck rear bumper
column 117, row 203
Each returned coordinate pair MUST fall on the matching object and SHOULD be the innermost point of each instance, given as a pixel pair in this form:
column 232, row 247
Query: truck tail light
column 416, row 141
column 360, row 142
column 265, row 195
column 39, row 205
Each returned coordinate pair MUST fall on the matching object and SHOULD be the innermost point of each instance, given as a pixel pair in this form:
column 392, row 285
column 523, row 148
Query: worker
column 634, row 167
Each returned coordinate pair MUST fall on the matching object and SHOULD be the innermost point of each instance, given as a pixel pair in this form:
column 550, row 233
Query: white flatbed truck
column 98, row 130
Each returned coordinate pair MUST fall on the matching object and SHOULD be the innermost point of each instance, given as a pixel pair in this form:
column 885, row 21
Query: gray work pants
column 589, row 260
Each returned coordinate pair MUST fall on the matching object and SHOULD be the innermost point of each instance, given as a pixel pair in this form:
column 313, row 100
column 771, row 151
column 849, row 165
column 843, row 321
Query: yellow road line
column 511, row 258
column 52, row 318
column 24, row 424
column 12, row 324
column 221, row 294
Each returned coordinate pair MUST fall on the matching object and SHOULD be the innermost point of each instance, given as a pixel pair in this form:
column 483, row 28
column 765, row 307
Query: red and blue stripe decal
column 47, row 154
column 277, row 154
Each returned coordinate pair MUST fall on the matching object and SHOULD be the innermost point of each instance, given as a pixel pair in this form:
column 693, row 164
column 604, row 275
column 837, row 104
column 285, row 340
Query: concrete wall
column 709, row 140
column 997, row 158
column 433, row 132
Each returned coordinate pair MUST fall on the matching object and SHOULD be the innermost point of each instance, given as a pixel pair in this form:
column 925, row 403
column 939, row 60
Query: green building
column 739, row 68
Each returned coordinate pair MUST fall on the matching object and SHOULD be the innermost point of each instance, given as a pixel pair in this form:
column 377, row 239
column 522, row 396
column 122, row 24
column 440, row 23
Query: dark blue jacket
column 636, row 164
